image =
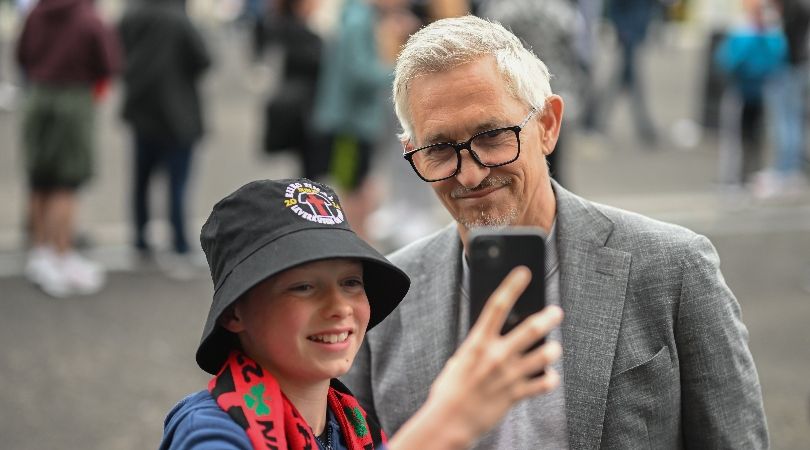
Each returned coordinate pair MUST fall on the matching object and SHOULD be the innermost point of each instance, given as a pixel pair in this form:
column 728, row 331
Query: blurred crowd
column 331, row 103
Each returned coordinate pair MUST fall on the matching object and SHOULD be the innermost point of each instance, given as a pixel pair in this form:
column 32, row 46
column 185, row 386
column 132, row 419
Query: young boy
column 295, row 290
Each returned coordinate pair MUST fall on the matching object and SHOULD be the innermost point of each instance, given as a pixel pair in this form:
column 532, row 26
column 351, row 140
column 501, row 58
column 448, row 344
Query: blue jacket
column 750, row 56
column 198, row 423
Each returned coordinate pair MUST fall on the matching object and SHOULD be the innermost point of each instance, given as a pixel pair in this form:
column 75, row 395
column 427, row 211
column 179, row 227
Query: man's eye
column 494, row 138
column 494, row 133
column 438, row 151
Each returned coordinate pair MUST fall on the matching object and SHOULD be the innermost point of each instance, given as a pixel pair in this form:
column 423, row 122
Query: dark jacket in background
column 303, row 49
column 65, row 43
column 288, row 116
column 165, row 59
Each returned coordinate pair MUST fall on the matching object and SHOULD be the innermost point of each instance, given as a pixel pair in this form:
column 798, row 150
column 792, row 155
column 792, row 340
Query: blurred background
column 657, row 122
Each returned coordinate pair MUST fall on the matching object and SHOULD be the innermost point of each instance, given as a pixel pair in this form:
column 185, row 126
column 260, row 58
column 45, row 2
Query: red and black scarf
column 253, row 399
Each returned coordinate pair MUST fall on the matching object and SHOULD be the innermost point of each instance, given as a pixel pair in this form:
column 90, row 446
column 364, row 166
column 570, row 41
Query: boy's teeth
column 330, row 338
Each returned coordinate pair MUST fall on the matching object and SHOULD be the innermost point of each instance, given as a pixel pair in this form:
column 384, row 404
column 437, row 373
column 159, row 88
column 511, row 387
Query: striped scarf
column 253, row 399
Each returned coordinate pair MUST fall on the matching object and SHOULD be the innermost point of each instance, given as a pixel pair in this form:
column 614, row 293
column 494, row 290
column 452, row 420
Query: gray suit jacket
column 655, row 353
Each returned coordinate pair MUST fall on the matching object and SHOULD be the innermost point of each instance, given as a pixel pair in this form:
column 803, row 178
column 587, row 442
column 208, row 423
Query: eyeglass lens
column 491, row 148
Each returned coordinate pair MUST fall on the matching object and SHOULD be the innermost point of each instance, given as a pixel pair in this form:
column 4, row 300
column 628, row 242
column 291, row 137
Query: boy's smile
column 305, row 324
column 330, row 338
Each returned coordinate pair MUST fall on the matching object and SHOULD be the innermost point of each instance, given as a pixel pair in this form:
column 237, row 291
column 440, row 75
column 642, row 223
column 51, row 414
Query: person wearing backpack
column 749, row 56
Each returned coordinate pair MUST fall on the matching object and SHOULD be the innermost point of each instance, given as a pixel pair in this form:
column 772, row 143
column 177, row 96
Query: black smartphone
column 493, row 254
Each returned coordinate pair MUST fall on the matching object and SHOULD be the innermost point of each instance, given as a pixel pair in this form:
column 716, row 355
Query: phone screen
column 493, row 254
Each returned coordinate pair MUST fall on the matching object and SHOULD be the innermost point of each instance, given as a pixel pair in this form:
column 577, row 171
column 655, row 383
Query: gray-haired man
column 655, row 353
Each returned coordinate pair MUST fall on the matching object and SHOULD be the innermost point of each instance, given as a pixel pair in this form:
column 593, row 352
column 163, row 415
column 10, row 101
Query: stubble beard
column 487, row 216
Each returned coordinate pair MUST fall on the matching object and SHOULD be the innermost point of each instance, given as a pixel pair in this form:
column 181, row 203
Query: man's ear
column 406, row 145
column 551, row 120
column 230, row 319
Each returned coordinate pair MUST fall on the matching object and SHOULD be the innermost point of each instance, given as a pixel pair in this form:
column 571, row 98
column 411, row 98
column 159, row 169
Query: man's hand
column 488, row 374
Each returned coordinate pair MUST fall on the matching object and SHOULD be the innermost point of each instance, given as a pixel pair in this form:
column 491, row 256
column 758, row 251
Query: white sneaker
column 44, row 269
column 771, row 184
column 35, row 260
column 84, row 276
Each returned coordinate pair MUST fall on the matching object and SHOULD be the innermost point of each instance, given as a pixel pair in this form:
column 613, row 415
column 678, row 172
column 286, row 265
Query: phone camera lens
column 493, row 251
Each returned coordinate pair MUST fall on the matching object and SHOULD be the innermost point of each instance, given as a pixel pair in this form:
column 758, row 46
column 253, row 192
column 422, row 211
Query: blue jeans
column 789, row 90
column 625, row 79
column 152, row 154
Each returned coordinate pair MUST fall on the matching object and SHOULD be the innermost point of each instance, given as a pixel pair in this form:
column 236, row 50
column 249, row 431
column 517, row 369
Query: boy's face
column 305, row 324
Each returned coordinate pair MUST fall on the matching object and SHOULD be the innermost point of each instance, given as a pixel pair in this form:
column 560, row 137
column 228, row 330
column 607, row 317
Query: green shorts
column 57, row 135
column 350, row 160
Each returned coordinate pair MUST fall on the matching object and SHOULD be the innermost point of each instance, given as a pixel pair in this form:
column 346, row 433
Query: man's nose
column 470, row 174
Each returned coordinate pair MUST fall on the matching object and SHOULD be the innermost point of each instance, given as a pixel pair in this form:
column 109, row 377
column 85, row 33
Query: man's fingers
column 501, row 301
column 539, row 358
column 533, row 328
column 538, row 385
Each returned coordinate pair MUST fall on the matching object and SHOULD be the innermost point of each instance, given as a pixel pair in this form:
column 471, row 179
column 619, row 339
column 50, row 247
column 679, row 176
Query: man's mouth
column 486, row 186
column 330, row 338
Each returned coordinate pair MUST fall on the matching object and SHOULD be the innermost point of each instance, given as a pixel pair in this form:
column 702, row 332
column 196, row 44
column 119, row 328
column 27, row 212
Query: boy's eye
column 353, row 282
column 301, row 287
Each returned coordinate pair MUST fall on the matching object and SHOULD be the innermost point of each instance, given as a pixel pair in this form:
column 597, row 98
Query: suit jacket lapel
column 593, row 285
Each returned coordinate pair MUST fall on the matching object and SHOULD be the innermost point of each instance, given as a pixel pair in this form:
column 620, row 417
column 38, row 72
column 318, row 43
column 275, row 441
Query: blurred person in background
column 404, row 201
column 750, row 56
column 166, row 58
column 256, row 13
column 788, row 106
column 552, row 29
column 288, row 123
column 67, row 55
column 355, row 79
column 630, row 19
column 716, row 17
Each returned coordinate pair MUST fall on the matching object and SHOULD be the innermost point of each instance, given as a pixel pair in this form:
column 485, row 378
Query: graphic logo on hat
column 311, row 203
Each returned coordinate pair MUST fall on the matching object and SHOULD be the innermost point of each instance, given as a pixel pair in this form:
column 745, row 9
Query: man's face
column 305, row 324
column 453, row 106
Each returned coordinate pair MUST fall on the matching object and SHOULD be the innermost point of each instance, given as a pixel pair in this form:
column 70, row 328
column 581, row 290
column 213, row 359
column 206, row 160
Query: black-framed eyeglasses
column 491, row 148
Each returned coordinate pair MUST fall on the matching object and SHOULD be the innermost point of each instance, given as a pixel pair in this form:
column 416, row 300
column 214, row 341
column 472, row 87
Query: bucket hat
column 268, row 226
